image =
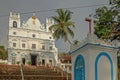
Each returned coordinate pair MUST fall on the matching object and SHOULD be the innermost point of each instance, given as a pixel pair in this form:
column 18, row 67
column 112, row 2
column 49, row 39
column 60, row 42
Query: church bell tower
column 14, row 20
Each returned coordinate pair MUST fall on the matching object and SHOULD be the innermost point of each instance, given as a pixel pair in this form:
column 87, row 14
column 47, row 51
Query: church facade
column 31, row 42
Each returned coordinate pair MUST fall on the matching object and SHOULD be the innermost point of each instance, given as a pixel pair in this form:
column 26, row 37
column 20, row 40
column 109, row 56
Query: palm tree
column 62, row 26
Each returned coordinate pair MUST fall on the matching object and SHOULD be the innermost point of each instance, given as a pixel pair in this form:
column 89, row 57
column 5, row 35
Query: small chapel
column 94, row 59
column 31, row 42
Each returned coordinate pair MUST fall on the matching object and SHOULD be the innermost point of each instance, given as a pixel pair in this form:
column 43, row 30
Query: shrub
column 29, row 62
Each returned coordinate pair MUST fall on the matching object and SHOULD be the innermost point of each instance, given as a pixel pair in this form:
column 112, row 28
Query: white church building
column 31, row 42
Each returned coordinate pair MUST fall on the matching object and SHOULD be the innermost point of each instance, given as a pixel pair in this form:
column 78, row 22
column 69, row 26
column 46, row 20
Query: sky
column 46, row 7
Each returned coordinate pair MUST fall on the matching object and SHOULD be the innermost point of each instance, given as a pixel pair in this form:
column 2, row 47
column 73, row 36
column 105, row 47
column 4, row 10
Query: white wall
column 90, row 53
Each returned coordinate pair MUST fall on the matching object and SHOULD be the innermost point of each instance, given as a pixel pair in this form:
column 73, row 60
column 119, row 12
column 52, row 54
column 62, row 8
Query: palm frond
column 67, row 15
column 60, row 13
column 54, row 27
column 56, row 19
column 56, row 34
column 70, row 24
column 64, row 36
column 70, row 32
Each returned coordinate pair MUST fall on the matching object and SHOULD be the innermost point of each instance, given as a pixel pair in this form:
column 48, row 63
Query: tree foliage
column 63, row 24
column 108, row 21
column 3, row 53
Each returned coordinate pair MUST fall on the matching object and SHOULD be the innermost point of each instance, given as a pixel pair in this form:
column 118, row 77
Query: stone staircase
column 12, row 72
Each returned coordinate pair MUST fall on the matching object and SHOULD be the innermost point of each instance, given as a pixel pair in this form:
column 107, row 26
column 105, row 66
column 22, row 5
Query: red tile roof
column 65, row 57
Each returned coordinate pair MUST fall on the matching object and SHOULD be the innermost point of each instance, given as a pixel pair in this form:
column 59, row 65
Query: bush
column 18, row 62
column 39, row 63
column 29, row 62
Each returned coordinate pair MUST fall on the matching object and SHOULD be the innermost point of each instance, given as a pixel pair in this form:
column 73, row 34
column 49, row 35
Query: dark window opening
column 33, row 46
column 51, row 48
column 23, row 45
column 14, row 33
column 14, row 24
column 33, row 35
column 50, row 62
column 43, row 47
column 43, row 62
column 14, row 44
column 50, row 37
column 23, row 60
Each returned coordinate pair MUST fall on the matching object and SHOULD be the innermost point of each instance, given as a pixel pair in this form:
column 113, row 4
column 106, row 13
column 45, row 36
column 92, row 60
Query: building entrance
column 23, row 60
column 33, row 59
column 43, row 62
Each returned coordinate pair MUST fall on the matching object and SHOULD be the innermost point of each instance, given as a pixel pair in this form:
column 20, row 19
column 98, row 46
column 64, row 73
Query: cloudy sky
column 82, row 10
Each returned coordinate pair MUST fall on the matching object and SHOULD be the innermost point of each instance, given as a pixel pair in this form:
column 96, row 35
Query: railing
column 21, row 69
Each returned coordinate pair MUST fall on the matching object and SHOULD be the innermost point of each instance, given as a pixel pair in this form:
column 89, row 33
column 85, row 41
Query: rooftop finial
column 33, row 17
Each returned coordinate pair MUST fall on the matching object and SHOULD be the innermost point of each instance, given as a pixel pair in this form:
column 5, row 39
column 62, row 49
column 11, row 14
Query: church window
column 14, row 44
column 50, row 37
column 14, row 24
column 33, row 35
column 50, row 62
column 43, row 47
column 13, row 60
column 33, row 46
column 51, row 47
column 14, row 33
column 23, row 45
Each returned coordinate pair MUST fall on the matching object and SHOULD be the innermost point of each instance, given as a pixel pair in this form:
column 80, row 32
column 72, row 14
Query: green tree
column 63, row 24
column 3, row 53
column 108, row 21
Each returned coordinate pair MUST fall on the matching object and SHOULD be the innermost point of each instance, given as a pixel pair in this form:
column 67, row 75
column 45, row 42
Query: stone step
column 33, row 77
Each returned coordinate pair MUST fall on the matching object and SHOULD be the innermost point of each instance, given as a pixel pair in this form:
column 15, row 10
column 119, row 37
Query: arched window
column 14, row 24
column 79, row 68
column 111, row 65
column 13, row 57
